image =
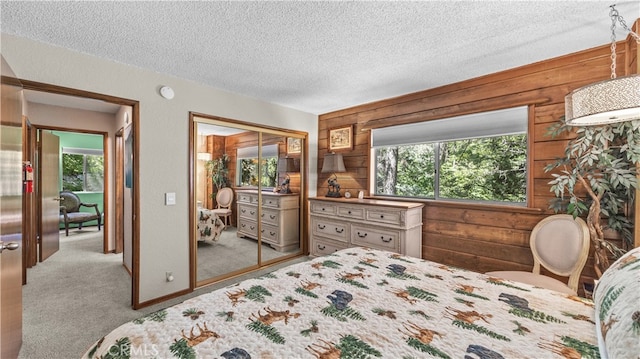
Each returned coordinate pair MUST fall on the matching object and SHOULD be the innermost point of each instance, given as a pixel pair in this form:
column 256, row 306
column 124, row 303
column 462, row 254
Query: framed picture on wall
column 341, row 138
column 294, row 145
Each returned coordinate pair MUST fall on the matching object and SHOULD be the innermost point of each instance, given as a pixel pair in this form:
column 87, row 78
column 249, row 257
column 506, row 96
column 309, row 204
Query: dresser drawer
column 246, row 198
column 268, row 201
column 338, row 231
column 321, row 248
column 248, row 228
column 248, row 212
column 351, row 212
column 323, row 208
column 269, row 234
column 375, row 237
column 270, row 216
column 384, row 216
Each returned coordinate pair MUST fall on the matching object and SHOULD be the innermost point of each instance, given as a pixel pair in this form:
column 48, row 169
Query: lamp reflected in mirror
column 333, row 163
column 286, row 165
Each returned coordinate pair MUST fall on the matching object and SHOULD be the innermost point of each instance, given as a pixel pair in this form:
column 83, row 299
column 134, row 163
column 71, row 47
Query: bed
column 365, row 303
column 210, row 226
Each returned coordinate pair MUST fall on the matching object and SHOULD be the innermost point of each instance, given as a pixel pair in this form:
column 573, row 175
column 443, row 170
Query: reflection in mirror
column 218, row 249
column 280, row 210
column 247, row 193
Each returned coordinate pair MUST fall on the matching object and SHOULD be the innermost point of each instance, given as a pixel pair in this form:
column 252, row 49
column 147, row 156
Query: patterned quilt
column 364, row 303
column 210, row 226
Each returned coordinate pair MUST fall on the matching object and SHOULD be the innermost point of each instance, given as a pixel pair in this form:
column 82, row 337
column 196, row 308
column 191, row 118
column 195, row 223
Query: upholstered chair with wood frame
column 560, row 244
column 224, row 199
column 70, row 205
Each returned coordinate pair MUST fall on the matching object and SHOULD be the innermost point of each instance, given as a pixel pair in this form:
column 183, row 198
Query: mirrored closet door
column 247, row 194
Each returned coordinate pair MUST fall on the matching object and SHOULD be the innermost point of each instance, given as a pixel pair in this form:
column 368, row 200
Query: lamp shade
column 286, row 165
column 604, row 102
column 333, row 162
column 204, row 156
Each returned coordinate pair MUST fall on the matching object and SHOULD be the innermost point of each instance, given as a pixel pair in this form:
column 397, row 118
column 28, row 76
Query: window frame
column 373, row 172
column 251, row 153
column 84, row 152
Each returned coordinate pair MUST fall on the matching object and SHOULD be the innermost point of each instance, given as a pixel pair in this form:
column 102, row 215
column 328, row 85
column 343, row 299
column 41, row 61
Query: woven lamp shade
column 604, row 102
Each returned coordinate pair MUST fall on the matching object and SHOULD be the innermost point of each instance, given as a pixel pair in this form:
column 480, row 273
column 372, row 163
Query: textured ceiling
column 320, row 56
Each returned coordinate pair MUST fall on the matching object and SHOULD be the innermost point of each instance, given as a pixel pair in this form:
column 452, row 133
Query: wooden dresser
column 279, row 218
column 338, row 223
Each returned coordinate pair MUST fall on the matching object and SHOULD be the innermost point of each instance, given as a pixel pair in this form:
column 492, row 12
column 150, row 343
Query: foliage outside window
column 250, row 174
column 254, row 174
column 82, row 170
column 452, row 163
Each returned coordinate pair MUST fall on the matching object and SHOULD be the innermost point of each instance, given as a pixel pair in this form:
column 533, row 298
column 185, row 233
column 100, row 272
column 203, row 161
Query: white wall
column 163, row 143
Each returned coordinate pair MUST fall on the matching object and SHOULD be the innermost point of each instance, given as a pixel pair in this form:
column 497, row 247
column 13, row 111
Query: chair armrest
column 94, row 205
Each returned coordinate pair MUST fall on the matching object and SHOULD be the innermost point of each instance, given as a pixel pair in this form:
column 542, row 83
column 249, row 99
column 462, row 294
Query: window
column 479, row 157
column 82, row 170
column 248, row 165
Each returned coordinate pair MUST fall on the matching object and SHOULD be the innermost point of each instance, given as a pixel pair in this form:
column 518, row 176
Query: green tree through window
column 82, row 172
column 489, row 169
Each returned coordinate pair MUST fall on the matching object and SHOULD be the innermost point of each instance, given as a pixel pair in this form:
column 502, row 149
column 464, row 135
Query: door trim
column 135, row 120
column 107, row 170
column 119, row 188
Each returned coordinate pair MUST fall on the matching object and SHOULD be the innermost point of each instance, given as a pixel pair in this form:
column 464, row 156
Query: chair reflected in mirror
column 224, row 199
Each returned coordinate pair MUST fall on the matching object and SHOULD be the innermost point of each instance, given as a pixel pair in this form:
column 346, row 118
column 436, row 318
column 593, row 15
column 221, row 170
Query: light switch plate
column 169, row 198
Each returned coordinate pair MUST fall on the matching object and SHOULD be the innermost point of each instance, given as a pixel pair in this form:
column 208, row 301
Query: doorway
column 93, row 106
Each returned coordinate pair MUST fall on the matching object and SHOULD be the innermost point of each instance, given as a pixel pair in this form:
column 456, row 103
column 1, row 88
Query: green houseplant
column 597, row 176
column 218, row 171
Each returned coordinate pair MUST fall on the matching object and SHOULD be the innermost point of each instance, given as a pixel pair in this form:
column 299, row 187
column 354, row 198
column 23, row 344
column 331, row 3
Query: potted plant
column 597, row 176
column 218, row 171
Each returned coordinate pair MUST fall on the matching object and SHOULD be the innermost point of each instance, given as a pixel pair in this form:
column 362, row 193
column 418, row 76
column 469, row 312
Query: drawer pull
column 349, row 212
column 243, row 225
column 322, row 226
column 322, row 248
column 252, row 227
column 253, row 212
column 362, row 235
column 381, row 216
column 339, row 230
column 322, row 209
column 272, row 233
column 243, row 210
column 386, row 240
column 272, row 216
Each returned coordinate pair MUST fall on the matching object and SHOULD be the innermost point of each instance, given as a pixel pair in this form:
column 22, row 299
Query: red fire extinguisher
column 27, row 181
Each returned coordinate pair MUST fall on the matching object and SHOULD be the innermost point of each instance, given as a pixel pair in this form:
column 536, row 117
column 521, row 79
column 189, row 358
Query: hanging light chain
column 615, row 17
column 624, row 25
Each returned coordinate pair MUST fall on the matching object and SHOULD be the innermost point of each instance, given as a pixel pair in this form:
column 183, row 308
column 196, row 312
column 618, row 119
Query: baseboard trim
column 162, row 299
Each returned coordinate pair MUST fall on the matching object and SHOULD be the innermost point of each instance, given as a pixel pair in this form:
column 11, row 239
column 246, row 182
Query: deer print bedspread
column 364, row 303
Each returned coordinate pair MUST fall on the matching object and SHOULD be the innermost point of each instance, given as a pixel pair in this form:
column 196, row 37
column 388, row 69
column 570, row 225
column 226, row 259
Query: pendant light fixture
column 609, row 101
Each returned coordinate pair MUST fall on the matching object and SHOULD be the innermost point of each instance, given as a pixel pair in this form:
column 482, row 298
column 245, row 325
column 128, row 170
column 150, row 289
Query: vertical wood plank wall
column 472, row 236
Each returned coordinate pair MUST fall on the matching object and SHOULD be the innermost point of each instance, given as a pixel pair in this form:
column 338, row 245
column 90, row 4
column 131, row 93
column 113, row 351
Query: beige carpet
column 79, row 294
column 231, row 253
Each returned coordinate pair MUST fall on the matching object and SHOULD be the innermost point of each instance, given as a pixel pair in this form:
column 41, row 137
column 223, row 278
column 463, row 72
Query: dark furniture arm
column 94, row 205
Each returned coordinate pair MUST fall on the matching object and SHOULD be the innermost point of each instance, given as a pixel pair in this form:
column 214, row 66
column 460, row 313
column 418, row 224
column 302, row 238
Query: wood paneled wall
column 473, row 236
column 219, row 145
